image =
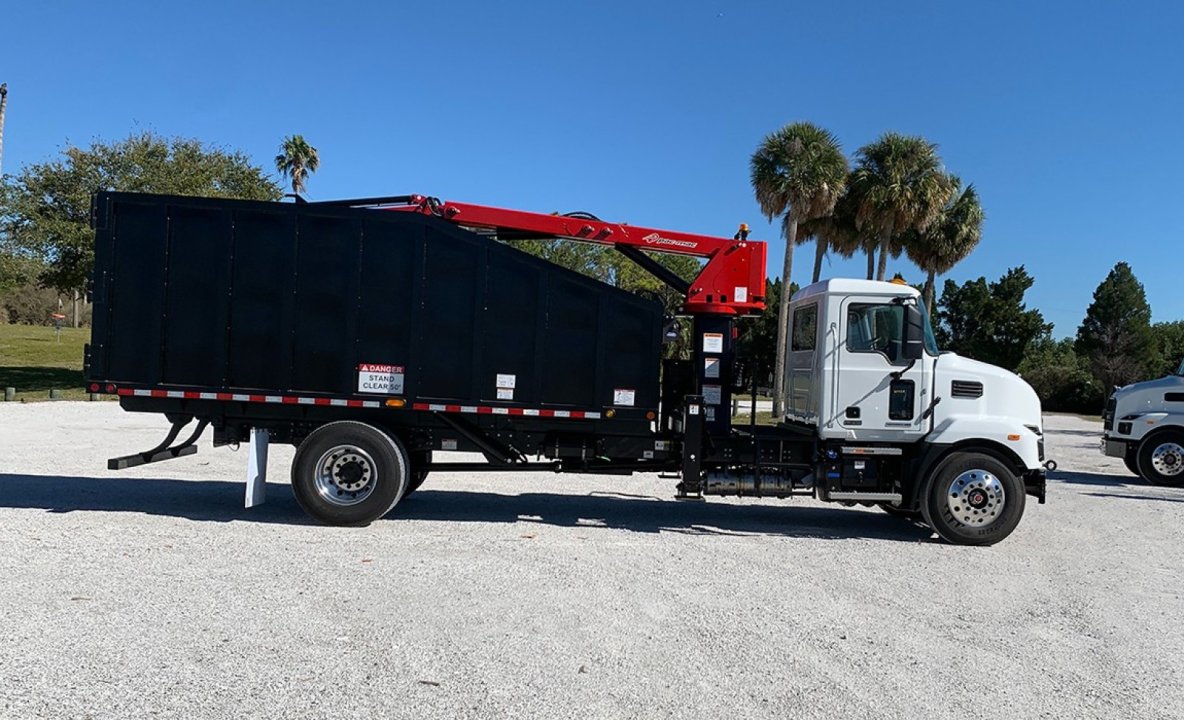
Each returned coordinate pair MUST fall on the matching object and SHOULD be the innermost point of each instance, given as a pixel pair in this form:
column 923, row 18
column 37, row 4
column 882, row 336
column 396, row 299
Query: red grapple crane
column 731, row 283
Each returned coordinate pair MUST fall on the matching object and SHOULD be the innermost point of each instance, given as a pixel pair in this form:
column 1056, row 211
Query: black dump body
column 315, row 302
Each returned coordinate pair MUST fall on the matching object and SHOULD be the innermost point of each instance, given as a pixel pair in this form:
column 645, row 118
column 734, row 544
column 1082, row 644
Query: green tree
column 798, row 172
column 899, row 186
column 1115, row 337
column 947, row 240
column 1060, row 377
column 296, row 161
column 757, row 344
column 836, row 233
column 1169, row 338
column 989, row 321
column 45, row 210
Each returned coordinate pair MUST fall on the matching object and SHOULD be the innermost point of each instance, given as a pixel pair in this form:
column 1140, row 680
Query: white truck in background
column 1144, row 425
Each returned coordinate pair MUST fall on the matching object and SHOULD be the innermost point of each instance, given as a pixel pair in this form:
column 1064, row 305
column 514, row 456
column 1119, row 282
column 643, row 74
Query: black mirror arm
column 897, row 374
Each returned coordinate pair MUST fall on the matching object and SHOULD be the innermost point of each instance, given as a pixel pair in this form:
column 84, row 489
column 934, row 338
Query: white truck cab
column 864, row 374
column 1143, row 424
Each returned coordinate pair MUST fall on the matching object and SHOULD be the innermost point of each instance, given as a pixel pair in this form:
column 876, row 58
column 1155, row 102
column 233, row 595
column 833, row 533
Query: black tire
column 349, row 473
column 1132, row 464
column 419, row 459
column 1169, row 445
column 962, row 499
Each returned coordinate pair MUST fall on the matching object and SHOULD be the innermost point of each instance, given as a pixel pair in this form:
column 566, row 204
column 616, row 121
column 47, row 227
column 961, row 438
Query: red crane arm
column 731, row 283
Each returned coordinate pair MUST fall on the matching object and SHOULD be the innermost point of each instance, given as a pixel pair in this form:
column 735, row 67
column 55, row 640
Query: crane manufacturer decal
column 656, row 239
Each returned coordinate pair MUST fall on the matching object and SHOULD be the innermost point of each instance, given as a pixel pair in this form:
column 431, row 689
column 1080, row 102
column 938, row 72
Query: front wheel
column 1161, row 459
column 897, row 511
column 973, row 499
column 349, row 473
column 1132, row 464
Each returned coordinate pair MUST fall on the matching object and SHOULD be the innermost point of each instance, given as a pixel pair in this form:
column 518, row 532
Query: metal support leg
column 257, row 468
column 692, row 450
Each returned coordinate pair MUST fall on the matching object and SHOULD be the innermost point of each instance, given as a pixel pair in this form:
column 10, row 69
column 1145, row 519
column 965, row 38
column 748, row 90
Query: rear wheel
column 420, row 459
column 973, row 499
column 349, row 473
column 1161, row 459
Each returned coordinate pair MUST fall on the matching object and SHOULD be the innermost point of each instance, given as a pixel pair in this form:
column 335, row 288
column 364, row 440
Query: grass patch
column 763, row 417
column 34, row 360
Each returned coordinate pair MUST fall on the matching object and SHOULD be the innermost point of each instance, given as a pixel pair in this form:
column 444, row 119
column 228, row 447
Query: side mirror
column 914, row 333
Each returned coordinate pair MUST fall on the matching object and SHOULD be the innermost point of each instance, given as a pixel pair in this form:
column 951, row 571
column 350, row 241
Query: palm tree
column 901, row 187
column 297, row 160
column 836, row 232
column 799, row 172
column 949, row 238
column 3, row 109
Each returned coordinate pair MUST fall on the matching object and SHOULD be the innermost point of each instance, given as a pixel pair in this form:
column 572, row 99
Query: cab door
column 879, row 393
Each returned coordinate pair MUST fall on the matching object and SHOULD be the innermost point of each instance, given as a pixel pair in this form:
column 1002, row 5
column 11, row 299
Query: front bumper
column 1034, row 484
column 1114, row 448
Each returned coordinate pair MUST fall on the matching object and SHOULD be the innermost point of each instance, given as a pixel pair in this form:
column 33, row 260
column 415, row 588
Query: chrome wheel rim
column 346, row 475
column 1168, row 459
column 976, row 498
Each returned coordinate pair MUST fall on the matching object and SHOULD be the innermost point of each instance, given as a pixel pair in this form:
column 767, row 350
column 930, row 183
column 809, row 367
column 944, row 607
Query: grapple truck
column 372, row 333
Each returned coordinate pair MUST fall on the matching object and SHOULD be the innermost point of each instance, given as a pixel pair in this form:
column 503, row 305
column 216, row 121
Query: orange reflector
column 650, row 415
column 396, row 402
column 1013, row 437
column 610, row 412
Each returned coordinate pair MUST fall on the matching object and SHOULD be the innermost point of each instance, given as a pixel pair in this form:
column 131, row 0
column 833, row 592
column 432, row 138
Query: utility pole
column 3, row 109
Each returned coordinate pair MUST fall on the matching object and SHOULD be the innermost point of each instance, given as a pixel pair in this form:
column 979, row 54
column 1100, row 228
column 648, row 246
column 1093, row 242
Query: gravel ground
column 151, row 592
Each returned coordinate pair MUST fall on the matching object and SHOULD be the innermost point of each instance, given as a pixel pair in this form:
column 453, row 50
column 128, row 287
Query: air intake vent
column 967, row 389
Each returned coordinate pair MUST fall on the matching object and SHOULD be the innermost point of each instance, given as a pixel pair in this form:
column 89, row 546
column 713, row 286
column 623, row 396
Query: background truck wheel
column 349, row 473
column 973, row 499
column 1161, row 458
column 419, row 459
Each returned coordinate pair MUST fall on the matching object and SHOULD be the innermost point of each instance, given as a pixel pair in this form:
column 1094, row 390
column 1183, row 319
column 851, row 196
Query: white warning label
column 624, row 396
column 740, row 294
column 712, row 394
column 505, row 393
column 381, row 379
column 508, row 382
column 711, row 367
column 713, row 342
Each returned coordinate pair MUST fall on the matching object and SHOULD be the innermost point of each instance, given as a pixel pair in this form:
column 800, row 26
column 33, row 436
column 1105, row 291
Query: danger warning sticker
column 381, row 379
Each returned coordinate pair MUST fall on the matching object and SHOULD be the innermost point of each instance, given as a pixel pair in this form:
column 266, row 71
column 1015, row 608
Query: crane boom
column 732, row 282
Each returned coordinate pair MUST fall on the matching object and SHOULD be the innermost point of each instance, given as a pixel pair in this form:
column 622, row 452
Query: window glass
column 805, row 327
column 876, row 328
column 930, row 338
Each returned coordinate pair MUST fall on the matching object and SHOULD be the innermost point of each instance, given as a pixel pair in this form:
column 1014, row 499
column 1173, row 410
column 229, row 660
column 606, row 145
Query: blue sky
column 1065, row 115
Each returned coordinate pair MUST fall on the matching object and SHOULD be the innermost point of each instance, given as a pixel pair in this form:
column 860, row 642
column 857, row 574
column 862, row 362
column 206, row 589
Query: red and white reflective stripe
column 342, row 402
column 490, row 410
column 240, row 397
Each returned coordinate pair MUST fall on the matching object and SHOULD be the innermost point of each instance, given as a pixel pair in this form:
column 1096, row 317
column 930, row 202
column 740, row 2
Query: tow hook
column 1050, row 465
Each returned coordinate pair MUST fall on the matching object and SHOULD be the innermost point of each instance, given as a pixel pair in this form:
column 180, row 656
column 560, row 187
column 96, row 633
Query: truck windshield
column 930, row 339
